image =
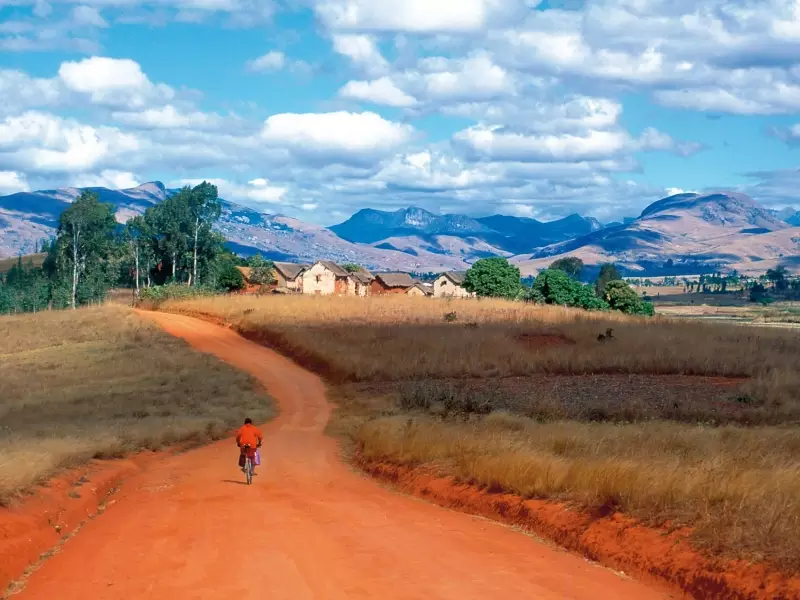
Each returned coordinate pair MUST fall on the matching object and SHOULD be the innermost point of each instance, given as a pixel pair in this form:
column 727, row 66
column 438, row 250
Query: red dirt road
column 308, row 528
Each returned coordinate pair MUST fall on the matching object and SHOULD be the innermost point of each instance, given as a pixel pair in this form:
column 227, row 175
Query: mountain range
column 693, row 232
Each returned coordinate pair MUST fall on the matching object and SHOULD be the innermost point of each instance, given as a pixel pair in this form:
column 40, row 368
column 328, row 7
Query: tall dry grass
column 374, row 339
column 101, row 383
column 739, row 488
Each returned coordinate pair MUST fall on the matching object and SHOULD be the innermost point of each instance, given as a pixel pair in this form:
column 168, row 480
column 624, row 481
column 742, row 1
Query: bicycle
column 248, row 465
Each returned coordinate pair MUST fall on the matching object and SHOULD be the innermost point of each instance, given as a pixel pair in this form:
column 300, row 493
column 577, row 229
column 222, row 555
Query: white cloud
column 167, row 117
column 577, row 113
column 335, row 136
column 419, row 16
column 271, row 61
column 496, row 144
column 39, row 142
column 473, row 78
column 379, row 91
column 362, row 51
column 115, row 82
column 108, row 178
column 19, row 92
column 428, row 171
column 85, row 15
column 12, row 182
column 257, row 191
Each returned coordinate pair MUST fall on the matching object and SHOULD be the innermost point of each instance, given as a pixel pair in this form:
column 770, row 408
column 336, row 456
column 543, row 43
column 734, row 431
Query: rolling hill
column 415, row 229
column 697, row 232
column 28, row 218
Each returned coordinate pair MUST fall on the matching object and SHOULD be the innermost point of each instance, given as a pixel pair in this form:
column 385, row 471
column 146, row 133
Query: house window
column 319, row 278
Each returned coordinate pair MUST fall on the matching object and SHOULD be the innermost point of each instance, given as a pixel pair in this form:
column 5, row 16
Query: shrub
column 173, row 291
column 620, row 296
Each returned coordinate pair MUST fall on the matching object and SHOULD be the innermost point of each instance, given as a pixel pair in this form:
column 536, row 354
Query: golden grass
column 375, row 339
column 739, row 488
column 99, row 383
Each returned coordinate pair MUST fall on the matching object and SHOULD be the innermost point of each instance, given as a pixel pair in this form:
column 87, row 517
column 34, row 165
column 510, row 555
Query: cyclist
column 248, row 435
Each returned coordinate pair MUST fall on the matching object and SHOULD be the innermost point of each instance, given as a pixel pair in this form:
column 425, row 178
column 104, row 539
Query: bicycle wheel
column 248, row 470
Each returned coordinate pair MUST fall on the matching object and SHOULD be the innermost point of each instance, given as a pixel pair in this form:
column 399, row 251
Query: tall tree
column 171, row 222
column 204, row 209
column 608, row 272
column 493, row 277
column 778, row 277
column 85, row 237
column 139, row 238
column 571, row 265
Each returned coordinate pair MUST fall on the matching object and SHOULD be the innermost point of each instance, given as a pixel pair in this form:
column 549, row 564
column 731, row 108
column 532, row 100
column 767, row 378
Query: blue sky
column 316, row 108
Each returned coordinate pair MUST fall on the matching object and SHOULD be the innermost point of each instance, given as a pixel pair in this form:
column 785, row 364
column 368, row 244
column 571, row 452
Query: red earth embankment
column 609, row 538
column 38, row 523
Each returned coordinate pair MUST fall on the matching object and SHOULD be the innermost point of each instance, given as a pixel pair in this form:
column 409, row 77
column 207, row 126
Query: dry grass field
column 100, row 383
column 688, row 422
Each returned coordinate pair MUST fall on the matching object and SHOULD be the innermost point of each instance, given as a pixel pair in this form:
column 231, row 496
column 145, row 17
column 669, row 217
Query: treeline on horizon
column 172, row 242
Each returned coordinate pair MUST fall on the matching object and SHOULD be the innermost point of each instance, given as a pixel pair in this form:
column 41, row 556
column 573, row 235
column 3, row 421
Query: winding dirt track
column 187, row 528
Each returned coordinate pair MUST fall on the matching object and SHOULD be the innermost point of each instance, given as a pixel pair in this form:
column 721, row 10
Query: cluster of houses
column 326, row 278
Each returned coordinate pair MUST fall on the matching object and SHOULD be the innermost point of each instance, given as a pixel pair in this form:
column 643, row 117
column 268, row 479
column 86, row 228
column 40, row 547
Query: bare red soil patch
column 608, row 537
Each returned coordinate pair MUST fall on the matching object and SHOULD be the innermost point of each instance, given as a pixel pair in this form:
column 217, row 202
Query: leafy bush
column 173, row 291
column 261, row 270
column 554, row 286
column 620, row 296
column 493, row 278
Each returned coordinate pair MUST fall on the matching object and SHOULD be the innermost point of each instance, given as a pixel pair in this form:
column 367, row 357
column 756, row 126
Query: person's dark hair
column 248, row 421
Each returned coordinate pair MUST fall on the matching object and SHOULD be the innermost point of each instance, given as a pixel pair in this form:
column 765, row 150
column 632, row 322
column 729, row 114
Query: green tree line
column 557, row 285
column 173, row 242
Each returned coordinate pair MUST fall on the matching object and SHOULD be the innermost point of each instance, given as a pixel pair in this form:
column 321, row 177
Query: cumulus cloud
column 419, row 16
column 337, row 136
column 167, row 117
column 40, row 143
column 108, row 178
column 85, row 15
column 113, row 82
column 12, row 182
column 379, row 91
column 363, row 52
column 257, row 191
column 271, row 61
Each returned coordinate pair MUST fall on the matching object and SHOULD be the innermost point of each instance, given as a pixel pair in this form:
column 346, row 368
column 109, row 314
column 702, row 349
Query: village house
column 450, row 285
column 289, row 276
column 420, row 290
column 326, row 278
column 363, row 282
column 391, row 283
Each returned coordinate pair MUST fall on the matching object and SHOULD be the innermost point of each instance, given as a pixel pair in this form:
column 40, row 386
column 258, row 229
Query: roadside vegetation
column 672, row 422
column 102, row 383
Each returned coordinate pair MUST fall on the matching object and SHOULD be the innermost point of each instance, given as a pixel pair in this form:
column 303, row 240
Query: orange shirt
column 249, row 434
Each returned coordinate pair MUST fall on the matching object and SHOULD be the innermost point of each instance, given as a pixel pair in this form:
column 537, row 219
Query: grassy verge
column 100, row 383
column 688, row 423
column 738, row 488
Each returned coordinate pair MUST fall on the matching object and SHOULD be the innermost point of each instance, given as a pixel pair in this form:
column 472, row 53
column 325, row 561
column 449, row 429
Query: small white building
column 326, row 278
column 451, row 285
